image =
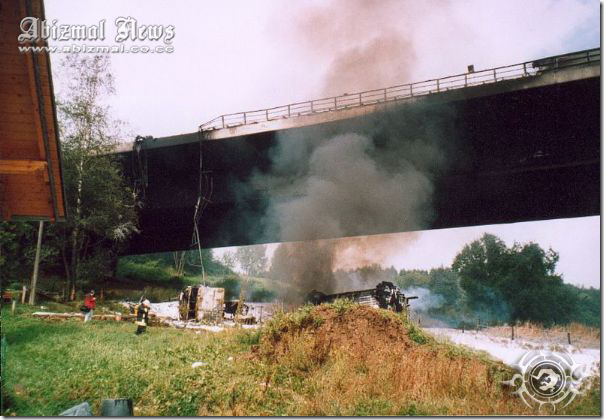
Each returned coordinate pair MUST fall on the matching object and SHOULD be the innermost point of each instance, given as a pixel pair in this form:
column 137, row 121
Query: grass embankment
column 338, row 359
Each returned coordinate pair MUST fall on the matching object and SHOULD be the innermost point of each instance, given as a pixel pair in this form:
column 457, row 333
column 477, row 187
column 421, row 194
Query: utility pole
column 34, row 279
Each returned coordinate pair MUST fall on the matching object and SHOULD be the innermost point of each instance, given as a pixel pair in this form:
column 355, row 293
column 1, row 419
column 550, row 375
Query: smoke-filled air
column 367, row 44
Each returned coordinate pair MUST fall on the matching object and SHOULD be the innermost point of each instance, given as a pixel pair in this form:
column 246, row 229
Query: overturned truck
column 385, row 295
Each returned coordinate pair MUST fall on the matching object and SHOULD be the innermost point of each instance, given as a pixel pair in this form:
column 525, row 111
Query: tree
column 179, row 262
column 252, row 259
column 515, row 284
column 412, row 278
column 445, row 282
column 102, row 207
column 228, row 260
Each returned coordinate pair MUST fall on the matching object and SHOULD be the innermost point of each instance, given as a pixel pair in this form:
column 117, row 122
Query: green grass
column 54, row 365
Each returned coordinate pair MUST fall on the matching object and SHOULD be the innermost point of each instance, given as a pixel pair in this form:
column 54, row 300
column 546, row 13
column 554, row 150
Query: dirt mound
column 318, row 332
column 346, row 359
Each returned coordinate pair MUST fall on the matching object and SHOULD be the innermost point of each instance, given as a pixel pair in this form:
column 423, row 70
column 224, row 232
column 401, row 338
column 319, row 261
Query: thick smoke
column 352, row 178
column 364, row 251
column 376, row 179
column 347, row 193
column 304, row 266
column 367, row 44
column 337, row 265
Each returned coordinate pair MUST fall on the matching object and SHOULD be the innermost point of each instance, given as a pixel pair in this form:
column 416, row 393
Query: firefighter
column 142, row 316
column 90, row 304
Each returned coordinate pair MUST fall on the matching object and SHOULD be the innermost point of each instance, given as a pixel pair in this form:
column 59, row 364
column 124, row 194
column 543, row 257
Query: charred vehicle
column 385, row 295
column 201, row 303
column 207, row 304
column 232, row 312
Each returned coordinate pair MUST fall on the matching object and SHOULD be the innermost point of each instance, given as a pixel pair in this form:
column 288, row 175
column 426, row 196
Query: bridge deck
column 528, row 75
column 516, row 150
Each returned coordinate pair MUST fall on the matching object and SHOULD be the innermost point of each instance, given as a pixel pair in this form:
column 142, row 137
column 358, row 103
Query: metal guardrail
column 406, row 91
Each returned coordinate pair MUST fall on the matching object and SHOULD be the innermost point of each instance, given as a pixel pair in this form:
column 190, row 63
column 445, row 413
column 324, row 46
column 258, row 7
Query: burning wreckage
column 207, row 305
column 385, row 295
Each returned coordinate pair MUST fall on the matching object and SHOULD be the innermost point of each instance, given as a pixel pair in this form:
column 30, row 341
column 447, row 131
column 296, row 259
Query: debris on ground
column 116, row 407
column 66, row 315
column 79, row 410
column 198, row 364
column 166, row 309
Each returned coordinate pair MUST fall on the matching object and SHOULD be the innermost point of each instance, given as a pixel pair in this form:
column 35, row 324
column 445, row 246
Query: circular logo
column 547, row 379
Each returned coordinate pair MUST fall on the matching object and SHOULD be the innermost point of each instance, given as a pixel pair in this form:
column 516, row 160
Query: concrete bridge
column 519, row 143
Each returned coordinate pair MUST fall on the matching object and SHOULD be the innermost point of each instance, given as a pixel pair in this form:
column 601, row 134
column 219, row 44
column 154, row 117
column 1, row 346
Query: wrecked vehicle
column 244, row 315
column 207, row 304
column 385, row 295
column 201, row 303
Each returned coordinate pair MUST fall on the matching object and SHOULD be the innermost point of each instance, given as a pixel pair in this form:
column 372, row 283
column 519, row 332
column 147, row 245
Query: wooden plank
column 14, row 92
column 22, row 104
column 71, row 315
column 27, row 184
column 10, row 128
column 15, row 72
column 16, row 87
column 21, row 131
column 27, row 187
column 31, row 208
column 27, row 151
column 15, row 60
column 37, row 106
column 21, row 166
column 15, row 119
column 14, row 78
column 11, row 9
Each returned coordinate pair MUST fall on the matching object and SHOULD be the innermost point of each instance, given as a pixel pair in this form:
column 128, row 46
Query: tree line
column 499, row 284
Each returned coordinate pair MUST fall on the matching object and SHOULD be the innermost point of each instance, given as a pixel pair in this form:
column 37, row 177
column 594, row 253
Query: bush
column 262, row 294
column 150, row 271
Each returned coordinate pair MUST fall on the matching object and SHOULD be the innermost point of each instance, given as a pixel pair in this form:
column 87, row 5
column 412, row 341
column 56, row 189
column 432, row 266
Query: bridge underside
column 521, row 155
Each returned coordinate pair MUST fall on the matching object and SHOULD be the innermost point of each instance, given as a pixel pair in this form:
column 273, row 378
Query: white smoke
column 426, row 299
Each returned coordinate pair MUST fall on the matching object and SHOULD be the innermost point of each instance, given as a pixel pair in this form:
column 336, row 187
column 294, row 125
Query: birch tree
column 101, row 207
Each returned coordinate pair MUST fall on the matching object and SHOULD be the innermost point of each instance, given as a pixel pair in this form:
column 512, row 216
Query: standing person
column 142, row 316
column 90, row 303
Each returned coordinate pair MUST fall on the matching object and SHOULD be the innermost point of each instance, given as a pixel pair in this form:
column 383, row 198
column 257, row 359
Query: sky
column 232, row 56
column 576, row 240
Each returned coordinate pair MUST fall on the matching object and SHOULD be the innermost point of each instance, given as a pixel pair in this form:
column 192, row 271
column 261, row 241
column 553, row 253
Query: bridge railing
column 405, row 91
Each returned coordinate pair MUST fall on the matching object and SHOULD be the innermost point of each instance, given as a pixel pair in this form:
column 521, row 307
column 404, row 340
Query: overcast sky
column 576, row 240
column 233, row 56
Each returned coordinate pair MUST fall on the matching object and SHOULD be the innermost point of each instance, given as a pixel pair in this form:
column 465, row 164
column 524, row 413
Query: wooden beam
column 17, row 167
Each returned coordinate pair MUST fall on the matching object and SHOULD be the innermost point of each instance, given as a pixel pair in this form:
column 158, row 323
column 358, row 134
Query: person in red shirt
column 90, row 303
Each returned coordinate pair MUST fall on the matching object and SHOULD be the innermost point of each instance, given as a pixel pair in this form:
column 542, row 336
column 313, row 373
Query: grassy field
column 338, row 359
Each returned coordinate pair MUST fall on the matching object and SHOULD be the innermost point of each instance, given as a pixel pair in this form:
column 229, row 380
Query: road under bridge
column 516, row 143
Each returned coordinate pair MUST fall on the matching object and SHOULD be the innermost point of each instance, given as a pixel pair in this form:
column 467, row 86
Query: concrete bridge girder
column 527, row 149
